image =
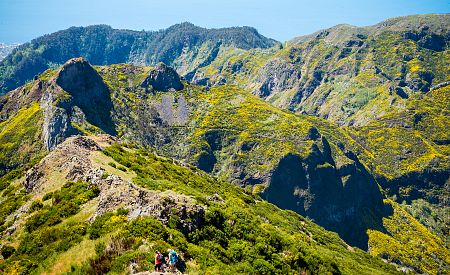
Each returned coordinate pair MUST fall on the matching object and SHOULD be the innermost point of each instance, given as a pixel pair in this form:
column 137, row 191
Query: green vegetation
column 239, row 233
column 434, row 217
column 383, row 90
column 166, row 46
column 349, row 75
column 65, row 203
column 411, row 142
column 46, row 233
column 20, row 137
column 409, row 243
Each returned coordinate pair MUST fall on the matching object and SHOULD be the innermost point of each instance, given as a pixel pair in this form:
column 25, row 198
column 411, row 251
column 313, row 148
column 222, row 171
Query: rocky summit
column 325, row 154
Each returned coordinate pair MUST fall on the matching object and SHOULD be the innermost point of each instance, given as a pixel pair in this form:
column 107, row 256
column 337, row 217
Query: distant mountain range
column 184, row 46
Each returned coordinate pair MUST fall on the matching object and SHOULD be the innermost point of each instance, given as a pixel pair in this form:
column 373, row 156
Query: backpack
column 161, row 258
column 174, row 256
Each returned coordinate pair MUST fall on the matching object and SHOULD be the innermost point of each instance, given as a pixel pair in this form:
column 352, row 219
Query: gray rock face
column 70, row 157
column 163, row 78
column 88, row 91
column 276, row 76
column 115, row 193
column 56, row 126
column 88, row 100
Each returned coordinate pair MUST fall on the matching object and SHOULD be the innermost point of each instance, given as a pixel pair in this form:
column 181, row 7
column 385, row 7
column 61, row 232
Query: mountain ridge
column 390, row 23
column 101, row 44
column 79, row 202
column 343, row 74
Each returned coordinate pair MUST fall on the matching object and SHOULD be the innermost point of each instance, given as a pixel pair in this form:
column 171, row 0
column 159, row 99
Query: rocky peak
column 89, row 101
column 163, row 78
column 89, row 93
column 79, row 78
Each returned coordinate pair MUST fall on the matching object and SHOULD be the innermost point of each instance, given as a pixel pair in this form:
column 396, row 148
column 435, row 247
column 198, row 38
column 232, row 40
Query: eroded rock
column 72, row 159
column 163, row 78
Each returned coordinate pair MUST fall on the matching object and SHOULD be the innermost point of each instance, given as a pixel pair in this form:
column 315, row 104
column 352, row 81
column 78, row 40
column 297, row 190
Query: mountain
column 184, row 46
column 225, row 131
column 387, row 83
column 6, row 49
column 348, row 127
column 349, row 75
column 81, row 214
column 302, row 163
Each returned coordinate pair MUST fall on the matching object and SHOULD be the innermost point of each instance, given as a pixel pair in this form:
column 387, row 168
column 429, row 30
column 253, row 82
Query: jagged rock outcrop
column 163, row 78
column 115, row 193
column 72, row 159
column 340, row 197
column 76, row 95
column 56, row 125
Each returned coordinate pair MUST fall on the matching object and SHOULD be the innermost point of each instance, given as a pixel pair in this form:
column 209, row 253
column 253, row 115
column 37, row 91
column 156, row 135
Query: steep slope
column 349, row 75
column 412, row 147
column 184, row 46
column 93, row 207
column 403, row 243
column 225, row 131
column 302, row 163
column 236, row 136
column 380, row 80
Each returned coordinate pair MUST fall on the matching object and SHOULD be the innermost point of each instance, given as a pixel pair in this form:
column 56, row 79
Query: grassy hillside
column 298, row 162
column 411, row 146
column 402, row 148
column 409, row 243
column 238, row 233
column 20, row 137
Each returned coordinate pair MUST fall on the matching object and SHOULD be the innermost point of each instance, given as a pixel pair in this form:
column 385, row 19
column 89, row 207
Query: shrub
column 98, row 228
column 263, row 267
column 47, row 196
column 66, row 202
column 148, row 228
column 7, row 251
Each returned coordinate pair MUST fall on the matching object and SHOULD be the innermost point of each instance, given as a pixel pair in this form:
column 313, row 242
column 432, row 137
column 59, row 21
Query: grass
column 100, row 160
column 77, row 255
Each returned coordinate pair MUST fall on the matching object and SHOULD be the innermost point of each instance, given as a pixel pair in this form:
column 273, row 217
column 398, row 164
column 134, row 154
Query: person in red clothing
column 158, row 261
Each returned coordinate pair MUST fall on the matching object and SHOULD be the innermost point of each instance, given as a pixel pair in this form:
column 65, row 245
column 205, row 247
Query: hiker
column 158, row 261
column 165, row 260
column 173, row 259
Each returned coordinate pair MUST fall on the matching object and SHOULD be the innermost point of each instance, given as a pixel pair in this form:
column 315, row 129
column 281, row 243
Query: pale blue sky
column 23, row 20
